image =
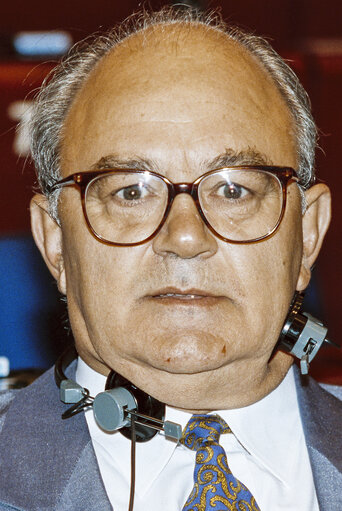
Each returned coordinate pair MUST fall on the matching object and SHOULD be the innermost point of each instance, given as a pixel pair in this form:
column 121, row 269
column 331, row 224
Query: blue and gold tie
column 215, row 486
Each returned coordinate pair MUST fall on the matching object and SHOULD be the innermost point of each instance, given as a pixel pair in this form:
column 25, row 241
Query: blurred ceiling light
column 42, row 44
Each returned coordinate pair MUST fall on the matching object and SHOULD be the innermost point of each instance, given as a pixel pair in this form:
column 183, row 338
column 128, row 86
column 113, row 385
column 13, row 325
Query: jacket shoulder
column 335, row 390
column 46, row 462
column 6, row 398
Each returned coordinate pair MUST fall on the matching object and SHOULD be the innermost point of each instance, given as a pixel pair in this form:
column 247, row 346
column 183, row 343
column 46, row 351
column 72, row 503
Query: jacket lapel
column 321, row 414
column 52, row 458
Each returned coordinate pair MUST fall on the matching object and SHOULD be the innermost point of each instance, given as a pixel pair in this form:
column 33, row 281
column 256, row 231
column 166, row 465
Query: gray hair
column 59, row 90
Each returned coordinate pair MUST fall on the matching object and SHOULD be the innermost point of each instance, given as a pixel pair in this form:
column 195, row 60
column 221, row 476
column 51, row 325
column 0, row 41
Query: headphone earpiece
column 115, row 408
column 302, row 335
column 145, row 405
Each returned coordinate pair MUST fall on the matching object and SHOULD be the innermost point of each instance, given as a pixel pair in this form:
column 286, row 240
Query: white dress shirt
column 267, row 452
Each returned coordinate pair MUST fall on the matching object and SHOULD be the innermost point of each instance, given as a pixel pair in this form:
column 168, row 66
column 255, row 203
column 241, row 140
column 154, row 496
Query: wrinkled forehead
column 178, row 74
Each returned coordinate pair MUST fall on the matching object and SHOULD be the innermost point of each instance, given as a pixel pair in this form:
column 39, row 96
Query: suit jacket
column 49, row 464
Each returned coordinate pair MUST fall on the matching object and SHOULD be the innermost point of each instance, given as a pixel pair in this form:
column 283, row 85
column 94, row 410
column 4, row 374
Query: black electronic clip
column 302, row 335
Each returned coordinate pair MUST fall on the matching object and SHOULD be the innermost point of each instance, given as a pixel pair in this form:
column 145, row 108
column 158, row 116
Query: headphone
column 302, row 335
column 117, row 407
column 123, row 406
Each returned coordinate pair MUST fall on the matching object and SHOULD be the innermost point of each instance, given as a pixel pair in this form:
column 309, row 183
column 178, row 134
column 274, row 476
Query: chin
column 190, row 368
column 186, row 365
column 187, row 353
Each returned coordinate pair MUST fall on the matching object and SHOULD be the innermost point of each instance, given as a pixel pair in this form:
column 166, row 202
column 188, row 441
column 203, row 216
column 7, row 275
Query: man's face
column 185, row 316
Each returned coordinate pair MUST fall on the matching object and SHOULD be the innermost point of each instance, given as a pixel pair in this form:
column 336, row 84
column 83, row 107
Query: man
column 184, row 295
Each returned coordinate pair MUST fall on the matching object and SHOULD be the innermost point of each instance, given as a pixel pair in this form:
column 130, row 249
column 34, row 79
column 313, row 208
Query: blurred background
column 33, row 320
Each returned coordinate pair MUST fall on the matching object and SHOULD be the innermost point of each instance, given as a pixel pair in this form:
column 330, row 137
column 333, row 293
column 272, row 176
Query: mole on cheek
column 224, row 350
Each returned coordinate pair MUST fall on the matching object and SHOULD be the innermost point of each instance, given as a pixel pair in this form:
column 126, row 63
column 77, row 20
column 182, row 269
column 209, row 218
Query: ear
column 316, row 221
column 48, row 237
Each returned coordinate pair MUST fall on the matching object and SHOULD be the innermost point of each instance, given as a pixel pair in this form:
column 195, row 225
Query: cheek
column 268, row 273
column 98, row 278
column 99, row 303
column 94, row 270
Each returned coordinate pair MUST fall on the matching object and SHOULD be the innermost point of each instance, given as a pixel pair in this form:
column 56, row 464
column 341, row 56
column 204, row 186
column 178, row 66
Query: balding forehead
column 177, row 40
column 160, row 55
column 148, row 81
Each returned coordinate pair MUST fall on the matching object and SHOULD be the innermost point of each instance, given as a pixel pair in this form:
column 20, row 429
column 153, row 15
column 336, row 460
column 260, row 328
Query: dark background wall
column 308, row 32
column 284, row 20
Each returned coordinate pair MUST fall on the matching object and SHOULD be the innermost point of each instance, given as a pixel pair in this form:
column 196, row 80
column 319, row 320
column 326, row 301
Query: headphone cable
column 132, row 489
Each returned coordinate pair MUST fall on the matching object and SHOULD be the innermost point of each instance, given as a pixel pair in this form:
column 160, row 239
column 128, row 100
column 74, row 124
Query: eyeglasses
column 128, row 207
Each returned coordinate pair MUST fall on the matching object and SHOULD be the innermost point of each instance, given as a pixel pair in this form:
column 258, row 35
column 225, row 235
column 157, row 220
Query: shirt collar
column 266, row 429
column 270, row 427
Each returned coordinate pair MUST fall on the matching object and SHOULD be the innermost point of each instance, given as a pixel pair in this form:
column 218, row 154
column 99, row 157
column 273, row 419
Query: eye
column 132, row 193
column 232, row 191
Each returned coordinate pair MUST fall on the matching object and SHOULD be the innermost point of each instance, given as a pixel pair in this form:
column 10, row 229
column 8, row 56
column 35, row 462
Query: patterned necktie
column 215, row 486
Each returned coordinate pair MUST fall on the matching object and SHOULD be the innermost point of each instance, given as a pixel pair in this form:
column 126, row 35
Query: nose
column 184, row 233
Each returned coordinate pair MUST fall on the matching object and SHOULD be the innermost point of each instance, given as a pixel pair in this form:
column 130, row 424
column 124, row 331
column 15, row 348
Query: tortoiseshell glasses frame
column 83, row 180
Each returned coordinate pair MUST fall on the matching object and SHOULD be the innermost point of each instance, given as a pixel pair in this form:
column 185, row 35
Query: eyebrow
column 111, row 161
column 232, row 158
column 228, row 158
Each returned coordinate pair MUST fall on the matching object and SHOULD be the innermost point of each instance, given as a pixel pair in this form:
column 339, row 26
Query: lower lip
column 187, row 300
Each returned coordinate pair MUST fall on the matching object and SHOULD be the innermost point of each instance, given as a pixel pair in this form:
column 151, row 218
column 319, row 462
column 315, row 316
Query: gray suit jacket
column 49, row 464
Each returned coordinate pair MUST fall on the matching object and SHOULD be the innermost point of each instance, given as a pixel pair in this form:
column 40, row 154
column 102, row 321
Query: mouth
column 170, row 295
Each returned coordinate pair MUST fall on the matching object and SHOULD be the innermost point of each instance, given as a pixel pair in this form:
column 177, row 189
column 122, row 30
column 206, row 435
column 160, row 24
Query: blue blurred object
column 45, row 43
column 32, row 316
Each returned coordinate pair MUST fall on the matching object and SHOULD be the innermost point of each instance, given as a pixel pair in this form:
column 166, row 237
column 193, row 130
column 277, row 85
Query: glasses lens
column 126, row 207
column 241, row 205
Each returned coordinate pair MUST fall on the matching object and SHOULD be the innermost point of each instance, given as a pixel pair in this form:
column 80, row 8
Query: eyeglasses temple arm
column 61, row 184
